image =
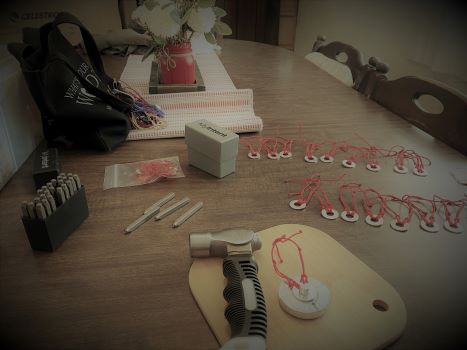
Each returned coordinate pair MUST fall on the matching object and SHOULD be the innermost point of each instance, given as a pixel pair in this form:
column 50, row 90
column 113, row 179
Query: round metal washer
column 454, row 229
column 398, row 227
column 330, row 216
column 310, row 307
column 402, row 170
column 349, row 216
column 373, row 167
column 285, row 155
column 371, row 222
column 348, row 163
column 433, row 228
column 294, row 204
column 254, row 155
column 273, row 156
column 326, row 159
column 422, row 173
column 313, row 159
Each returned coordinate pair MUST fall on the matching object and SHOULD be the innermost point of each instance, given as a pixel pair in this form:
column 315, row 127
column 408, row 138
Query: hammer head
column 222, row 243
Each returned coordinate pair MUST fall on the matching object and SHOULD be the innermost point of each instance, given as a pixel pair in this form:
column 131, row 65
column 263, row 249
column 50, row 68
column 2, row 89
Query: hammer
column 246, row 309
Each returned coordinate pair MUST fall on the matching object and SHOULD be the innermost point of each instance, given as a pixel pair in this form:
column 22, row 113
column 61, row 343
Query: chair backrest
column 403, row 97
column 351, row 57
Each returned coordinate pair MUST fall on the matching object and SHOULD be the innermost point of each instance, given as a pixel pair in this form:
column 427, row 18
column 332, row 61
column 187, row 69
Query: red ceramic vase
column 180, row 67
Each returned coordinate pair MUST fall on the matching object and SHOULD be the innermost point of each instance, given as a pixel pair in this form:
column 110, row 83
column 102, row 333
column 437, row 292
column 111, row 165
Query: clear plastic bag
column 141, row 173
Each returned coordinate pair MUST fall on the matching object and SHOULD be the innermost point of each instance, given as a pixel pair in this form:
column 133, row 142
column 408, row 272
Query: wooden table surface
column 105, row 290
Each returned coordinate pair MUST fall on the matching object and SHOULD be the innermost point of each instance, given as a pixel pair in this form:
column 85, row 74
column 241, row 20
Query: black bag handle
column 89, row 43
column 105, row 96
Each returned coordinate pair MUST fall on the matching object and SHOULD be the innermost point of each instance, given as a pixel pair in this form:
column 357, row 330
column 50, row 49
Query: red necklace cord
column 368, row 203
column 254, row 151
column 311, row 185
column 428, row 217
column 310, row 149
column 449, row 203
column 324, row 201
column 286, row 145
column 273, row 149
column 275, row 249
column 417, row 160
column 396, row 215
column 353, row 188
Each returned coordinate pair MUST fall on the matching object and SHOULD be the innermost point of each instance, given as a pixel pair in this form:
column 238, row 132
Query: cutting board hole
column 342, row 57
column 380, row 305
column 428, row 103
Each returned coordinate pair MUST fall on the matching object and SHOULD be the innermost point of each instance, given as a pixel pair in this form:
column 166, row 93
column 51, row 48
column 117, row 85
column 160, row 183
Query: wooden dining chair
column 408, row 97
column 346, row 64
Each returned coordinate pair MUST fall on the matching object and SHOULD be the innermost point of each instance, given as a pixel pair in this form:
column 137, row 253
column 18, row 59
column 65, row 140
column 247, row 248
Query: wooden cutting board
column 365, row 311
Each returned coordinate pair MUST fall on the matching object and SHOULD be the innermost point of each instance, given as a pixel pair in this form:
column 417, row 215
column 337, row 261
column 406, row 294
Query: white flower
column 159, row 21
column 202, row 19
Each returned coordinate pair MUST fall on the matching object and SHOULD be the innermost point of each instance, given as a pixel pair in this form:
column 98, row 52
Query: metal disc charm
column 285, row 155
column 330, row 215
column 313, row 159
column 432, row 228
column 371, row 222
column 295, row 204
column 308, row 302
column 398, row 226
column 273, row 156
column 454, row 229
column 348, row 163
column 401, row 170
column 373, row 167
column 349, row 216
column 327, row 159
column 254, row 155
column 422, row 173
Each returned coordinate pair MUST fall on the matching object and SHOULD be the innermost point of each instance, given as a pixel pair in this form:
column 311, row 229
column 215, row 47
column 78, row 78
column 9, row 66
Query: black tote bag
column 77, row 100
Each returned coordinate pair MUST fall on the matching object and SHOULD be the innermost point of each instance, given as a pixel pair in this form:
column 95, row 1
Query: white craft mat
column 221, row 103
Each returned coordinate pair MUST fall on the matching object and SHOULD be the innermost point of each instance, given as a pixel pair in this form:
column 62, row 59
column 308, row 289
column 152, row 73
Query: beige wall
column 423, row 38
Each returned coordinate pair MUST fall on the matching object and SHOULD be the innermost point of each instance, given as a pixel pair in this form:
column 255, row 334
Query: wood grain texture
column 104, row 290
column 350, row 320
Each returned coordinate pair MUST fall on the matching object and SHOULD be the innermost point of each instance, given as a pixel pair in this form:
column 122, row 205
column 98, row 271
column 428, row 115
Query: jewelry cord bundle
column 143, row 115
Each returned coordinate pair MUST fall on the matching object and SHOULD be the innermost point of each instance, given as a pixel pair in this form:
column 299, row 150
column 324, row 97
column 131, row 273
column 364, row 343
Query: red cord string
column 275, row 250
column 427, row 216
column 460, row 204
column 353, row 188
column 397, row 215
column 368, row 203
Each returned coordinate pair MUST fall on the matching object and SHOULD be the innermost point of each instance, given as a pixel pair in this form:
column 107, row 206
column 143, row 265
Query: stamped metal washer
column 313, row 159
column 348, row 163
column 453, row 229
column 330, row 216
column 398, row 227
column 285, row 155
column 371, row 222
column 349, row 216
column 422, row 173
column 294, row 204
column 273, row 156
column 254, row 155
column 326, row 159
column 432, row 229
column 373, row 167
column 400, row 170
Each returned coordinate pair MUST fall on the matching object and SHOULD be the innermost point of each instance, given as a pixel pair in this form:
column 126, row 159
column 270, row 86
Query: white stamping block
column 212, row 140
column 210, row 166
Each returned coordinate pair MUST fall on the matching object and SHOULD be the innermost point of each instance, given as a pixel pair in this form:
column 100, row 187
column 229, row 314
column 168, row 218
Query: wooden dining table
column 102, row 289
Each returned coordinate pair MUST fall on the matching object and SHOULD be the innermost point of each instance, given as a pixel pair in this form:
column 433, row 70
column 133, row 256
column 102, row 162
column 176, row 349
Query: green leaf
column 148, row 52
column 175, row 16
column 150, row 4
column 222, row 28
column 206, row 3
column 136, row 26
column 210, row 38
column 186, row 15
column 219, row 12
